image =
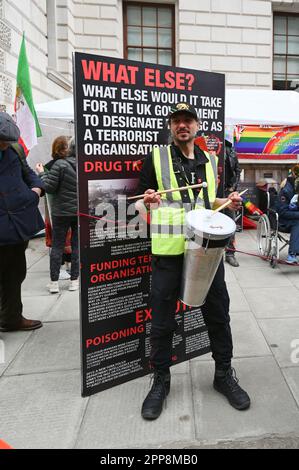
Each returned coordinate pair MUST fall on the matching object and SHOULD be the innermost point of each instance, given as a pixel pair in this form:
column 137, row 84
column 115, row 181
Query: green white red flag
column 26, row 117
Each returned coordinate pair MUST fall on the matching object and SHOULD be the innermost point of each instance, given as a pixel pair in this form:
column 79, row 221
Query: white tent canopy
column 59, row 109
column 268, row 107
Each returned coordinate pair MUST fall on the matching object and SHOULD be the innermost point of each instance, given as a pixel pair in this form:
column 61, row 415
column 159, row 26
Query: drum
column 208, row 233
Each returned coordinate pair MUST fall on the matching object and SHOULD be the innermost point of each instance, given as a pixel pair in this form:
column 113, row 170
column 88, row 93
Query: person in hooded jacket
column 61, row 182
column 288, row 217
column 60, row 149
column 232, row 178
column 20, row 220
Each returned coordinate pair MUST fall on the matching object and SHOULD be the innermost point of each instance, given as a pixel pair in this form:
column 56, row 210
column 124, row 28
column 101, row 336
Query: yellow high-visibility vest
column 168, row 220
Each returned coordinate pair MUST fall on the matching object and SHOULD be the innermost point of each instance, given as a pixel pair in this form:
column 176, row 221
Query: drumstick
column 158, row 193
column 227, row 203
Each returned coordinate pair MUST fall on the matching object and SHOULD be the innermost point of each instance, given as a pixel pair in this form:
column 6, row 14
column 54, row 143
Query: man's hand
column 38, row 191
column 39, row 168
column 236, row 201
column 151, row 198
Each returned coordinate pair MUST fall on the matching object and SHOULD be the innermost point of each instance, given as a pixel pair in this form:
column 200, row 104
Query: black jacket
column 232, row 169
column 20, row 218
column 284, row 199
column 61, row 182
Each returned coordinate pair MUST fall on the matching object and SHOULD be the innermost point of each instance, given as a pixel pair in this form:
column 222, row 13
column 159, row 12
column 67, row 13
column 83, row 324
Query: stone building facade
column 234, row 37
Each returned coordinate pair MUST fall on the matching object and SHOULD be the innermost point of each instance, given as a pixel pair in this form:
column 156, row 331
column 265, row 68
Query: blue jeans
column 293, row 225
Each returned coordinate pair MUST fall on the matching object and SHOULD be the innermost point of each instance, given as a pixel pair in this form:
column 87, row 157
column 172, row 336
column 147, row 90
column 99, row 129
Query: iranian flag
column 26, row 117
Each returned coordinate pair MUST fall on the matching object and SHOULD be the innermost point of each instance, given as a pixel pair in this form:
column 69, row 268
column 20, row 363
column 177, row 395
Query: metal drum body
column 208, row 234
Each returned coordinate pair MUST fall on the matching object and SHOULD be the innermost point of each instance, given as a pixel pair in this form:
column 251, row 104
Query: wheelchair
column 272, row 237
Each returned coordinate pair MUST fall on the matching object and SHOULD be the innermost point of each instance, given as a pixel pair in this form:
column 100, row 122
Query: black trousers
column 166, row 281
column 12, row 274
column 60, row 229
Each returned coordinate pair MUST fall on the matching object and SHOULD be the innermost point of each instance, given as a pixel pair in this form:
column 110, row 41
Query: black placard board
column 121, row 110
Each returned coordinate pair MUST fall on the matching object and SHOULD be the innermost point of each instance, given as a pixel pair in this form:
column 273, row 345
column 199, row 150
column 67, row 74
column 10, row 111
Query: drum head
column 208, row 224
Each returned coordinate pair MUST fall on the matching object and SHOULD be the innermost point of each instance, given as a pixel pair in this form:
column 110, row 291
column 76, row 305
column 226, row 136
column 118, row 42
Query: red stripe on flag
column 264, row 157
column 21, row 142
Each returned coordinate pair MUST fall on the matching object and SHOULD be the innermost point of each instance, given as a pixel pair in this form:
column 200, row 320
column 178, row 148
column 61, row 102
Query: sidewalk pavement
column 41, row 405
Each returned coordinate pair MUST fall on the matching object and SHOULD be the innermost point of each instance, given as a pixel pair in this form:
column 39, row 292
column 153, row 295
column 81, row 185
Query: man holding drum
column 182, row 164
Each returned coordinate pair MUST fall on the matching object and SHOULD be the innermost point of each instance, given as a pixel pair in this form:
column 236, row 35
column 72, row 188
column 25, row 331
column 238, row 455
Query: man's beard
column 189, row 139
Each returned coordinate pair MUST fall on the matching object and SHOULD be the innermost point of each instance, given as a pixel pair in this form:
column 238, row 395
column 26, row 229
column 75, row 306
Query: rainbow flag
column 272, row 140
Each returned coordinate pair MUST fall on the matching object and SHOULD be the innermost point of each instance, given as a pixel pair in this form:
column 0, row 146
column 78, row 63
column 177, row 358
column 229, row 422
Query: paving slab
column 246, row 243
column 66, row 307
column 248, row 339
column 181, row 368
column 257, row 277
column 270, row 302
column 113, row 420
column 35, row 284
column 37, row 307
column 42, row 411
column 11, row 343
column 273, row 410
column 238, row 302
column 229, row 276
column 249, row 261
column 40, row 390
column 281, row 334
column 42, row 266
column 266, row 442
column 35, row 251
column 291, row 375
column 205, row 357
column 291, row 273
column 53, row 347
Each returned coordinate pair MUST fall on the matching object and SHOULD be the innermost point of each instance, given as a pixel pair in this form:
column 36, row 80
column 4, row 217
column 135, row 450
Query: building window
column 286, row 52
column 53, row 72
column 149, row 33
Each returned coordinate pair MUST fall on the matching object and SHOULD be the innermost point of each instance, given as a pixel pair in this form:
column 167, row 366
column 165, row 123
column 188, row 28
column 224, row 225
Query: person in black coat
column 289, row 213
column 232, row 178
column 60, row 149
column 20, row 220
column 61, row 182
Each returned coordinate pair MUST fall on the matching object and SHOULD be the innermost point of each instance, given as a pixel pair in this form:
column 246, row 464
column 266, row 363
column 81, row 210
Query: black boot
column 226, row 382
column 153, row 403
column 231, row 259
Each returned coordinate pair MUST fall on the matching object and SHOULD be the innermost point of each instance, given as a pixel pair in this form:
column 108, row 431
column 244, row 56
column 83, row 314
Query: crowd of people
column 20, row 219
column 60, row 181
